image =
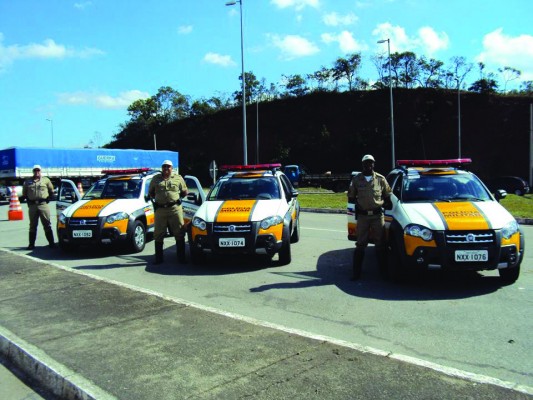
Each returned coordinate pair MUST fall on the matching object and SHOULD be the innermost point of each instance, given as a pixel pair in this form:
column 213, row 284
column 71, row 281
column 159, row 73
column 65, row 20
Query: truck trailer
column 80, row 165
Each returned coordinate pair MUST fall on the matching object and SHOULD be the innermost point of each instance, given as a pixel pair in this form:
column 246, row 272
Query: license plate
column 233, row 242
column 471, row 255
column 82, row 234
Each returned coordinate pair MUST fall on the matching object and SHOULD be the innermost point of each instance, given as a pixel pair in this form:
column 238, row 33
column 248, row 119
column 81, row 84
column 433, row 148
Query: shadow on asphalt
column 335, row 268
column 332, row 268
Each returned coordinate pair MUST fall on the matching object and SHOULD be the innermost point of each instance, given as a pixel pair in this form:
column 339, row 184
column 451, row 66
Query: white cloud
column 297, row 4
column 426, row 42
column 123, row 100
column 48, row 49
column 219, row 59
column 293, row 46
column 501, row 50
column 334, row 19
column 432, row 41
column 346, row 41
column 83, row 5
column 185, row 29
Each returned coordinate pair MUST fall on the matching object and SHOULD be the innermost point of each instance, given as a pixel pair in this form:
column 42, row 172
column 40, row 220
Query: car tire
column 138, row 237
column 295, row 237
column 509, row 275
column 197, row 255
column 394, row 267
column 518, row 192
column 285, row 250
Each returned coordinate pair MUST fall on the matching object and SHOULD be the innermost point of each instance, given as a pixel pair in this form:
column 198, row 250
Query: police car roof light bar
column 251, row 167
column 455, row 162
column 125, row 171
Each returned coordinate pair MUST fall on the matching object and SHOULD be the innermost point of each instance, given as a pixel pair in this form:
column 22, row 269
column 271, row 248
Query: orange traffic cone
column 80, row 189
column 15, row 210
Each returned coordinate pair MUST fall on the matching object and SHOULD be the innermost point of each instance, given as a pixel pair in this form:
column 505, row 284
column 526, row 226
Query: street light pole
column 51, row 129
column 391, row 103
column 459, row 116
column 244, row 135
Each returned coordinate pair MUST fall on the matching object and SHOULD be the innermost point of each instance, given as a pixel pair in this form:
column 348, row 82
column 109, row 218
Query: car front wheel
column 509, row 275
column 138, row 237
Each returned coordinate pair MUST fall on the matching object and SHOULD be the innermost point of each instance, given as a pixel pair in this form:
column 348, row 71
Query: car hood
column 464, row 215
column 241, row 210
column 101, row 207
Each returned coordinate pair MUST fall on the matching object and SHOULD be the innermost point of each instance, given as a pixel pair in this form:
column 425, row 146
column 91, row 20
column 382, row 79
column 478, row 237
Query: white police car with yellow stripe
column 443, row 217
column 253, row 209
column 116, row 209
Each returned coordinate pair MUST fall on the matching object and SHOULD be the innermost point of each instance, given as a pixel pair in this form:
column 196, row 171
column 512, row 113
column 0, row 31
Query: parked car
column 511, row 184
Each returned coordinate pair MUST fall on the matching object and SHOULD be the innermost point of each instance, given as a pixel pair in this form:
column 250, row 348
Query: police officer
column 38, row 191
column 166, row 191
column 370, row 192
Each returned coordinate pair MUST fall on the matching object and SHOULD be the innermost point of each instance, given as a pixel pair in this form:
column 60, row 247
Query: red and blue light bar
column 251, row 167
column 454, row 162
column 125, row 171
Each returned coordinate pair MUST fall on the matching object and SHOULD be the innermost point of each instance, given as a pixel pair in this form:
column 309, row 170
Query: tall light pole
column 245, row 145
column 51, row 129
column 391, row 102
column 459, row 116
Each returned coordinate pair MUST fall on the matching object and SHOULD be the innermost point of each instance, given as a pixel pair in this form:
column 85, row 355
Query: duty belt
column 376, row 211
column 40, row 201
column 170, row 204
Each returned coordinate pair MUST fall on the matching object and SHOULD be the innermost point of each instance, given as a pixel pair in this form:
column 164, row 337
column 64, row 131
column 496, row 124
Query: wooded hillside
column 329, row 131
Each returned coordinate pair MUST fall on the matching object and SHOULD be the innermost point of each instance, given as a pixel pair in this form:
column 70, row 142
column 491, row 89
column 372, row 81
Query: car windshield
column 260, row 188
column 122, row 189
column 459, row 187
column 95, row 192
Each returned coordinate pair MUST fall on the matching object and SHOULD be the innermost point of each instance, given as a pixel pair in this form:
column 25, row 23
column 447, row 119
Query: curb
column 41, row 369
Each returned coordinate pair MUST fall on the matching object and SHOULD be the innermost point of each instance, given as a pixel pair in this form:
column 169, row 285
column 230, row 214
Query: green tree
column 346, row 68
column 430, row 73
column 509, row 74
column 252, row 88
column 295, row 86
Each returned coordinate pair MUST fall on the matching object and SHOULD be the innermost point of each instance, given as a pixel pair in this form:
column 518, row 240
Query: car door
column 67, row 195
column 192, row 202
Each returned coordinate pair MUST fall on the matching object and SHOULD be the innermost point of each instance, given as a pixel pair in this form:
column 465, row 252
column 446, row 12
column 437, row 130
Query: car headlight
column 199, row 223
column 62, row 218
column 271, row 221
column 419, row 231
column 510, row 229
column 116, row 217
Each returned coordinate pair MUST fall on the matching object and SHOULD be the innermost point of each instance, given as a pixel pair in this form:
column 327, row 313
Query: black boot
column 158, row 253
column 50, row 237
column 32, row 237
column 180, row 250
column 358, row 257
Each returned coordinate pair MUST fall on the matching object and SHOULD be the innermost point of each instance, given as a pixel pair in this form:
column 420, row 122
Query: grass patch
column 518, row 206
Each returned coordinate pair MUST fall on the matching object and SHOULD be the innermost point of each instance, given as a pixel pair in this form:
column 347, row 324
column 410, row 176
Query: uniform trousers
column 42, row 212
column 171, row 217
column 370, row 226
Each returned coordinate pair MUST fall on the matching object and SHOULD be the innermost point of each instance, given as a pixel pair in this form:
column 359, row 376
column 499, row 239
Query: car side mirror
column 193, row 198
column 500, row 194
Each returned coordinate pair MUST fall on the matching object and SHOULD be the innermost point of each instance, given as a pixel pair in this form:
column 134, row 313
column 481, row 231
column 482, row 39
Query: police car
column 444, row 217
column 115, row 210
column 253, row 209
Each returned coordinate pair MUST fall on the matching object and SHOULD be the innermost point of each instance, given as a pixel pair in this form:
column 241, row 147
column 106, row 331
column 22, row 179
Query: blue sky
column 74, row 66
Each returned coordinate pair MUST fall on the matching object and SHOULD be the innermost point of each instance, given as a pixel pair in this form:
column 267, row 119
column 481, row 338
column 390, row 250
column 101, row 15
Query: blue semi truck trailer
column 81, row 165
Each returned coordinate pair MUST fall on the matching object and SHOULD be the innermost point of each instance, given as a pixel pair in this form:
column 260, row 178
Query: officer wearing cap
column 370, row 192
column 166, row 191
column 38, row 191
